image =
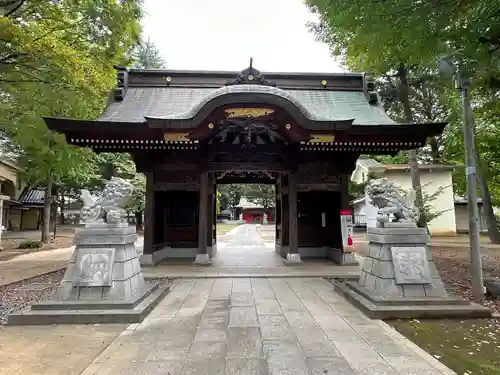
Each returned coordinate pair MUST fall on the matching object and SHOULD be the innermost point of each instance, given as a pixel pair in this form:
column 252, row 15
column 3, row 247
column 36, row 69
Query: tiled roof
column 184, row 102
column 32, row 196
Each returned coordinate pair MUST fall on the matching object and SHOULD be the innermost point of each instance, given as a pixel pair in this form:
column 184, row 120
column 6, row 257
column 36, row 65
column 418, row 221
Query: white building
column 432, row 176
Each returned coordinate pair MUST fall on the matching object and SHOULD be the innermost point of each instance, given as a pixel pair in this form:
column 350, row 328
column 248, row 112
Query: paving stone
column 174, row 350
column 285, row 365
column 204, row 366
column 242, row 299
column 217, row 308
column 275, row 328
column 246, row 366
column 113, row 368
column 170, row 367
column 242, row 286
column 409, row 364
column 244, row 342
column 207, row 350
column 214, row 322
column 364, row 366
column 221, row 289
column 262, row 290
column 243, row 316
column 119, row 351
column 280, row 348
column 332, row 366
column 211, row 334
column 300, row 320
column 280, row 326
column 178, row 336
column 268, row 307
column 317, row 346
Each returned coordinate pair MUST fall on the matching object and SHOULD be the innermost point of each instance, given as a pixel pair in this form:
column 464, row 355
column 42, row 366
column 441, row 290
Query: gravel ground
column 453, row 265
column 19, row 295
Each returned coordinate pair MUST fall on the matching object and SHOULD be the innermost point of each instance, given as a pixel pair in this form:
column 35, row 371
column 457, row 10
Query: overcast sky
column 224, row 34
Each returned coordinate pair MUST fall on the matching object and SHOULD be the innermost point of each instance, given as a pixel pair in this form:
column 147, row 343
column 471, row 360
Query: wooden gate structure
column 190, row 130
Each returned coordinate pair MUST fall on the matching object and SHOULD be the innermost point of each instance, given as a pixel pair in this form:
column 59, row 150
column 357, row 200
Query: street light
column 449, row 67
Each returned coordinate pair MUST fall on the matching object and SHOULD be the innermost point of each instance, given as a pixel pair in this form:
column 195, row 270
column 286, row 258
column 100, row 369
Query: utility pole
column 476, row 269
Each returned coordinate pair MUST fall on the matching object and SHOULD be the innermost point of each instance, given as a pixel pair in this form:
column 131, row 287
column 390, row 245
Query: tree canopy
column 57, row 59
column 381, row 37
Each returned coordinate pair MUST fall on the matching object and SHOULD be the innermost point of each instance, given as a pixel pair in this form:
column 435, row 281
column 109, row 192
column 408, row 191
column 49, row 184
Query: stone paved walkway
column 245, row 253
column 260, row 326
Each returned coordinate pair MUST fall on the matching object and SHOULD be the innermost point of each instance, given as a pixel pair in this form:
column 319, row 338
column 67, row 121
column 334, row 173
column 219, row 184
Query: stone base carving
column 399, row 278
column 103, row 282
column 293, row 258
column 202, row 260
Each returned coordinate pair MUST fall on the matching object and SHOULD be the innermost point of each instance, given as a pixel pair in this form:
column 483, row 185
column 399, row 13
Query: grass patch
column 466, row 346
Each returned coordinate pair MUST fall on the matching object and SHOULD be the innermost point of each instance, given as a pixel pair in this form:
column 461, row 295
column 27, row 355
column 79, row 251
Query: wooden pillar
column 344, row 183
column 292, row 214
column 203, row 216
column 210, row 211
column 149, row 221
column 214, row 218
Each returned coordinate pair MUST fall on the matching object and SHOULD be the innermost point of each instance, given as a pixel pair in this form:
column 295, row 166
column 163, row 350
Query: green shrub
column 30, row 245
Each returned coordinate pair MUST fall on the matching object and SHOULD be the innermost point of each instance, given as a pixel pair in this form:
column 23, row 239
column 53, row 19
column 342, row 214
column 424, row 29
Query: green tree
column 56, row 59
column 231, row 193
column 261, row 194
column 358, row 32
column 148, row 56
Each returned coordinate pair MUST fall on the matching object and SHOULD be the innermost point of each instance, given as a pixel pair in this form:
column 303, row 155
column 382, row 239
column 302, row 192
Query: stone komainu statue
column 109, row 206
column 390, row 199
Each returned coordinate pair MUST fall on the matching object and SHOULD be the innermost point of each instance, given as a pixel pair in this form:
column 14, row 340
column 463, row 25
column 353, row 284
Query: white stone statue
column 109, row 206
column 390, row 199
column 241, row 216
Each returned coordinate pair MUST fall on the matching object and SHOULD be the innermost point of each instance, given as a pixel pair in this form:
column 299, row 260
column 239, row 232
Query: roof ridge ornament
column 251, row 76
column 121, row 82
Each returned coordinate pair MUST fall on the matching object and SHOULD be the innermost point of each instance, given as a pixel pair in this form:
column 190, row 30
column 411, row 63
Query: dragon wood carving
column 109, row 206
column 390, row 199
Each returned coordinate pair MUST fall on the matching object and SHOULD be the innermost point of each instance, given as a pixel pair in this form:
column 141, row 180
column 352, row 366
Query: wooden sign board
column 248, row 112
column 322, row 138
column 176, row 137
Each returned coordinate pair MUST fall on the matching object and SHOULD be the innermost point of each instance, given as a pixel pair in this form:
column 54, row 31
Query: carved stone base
column 168, row 253
column 202, row 260
column 399, row 279
column 293, row 259
column 103, row 274
column 349, row 259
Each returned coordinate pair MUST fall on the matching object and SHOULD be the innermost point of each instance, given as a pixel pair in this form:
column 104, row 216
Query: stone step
column 429, row 309
column 90, row 316
column 95, row 305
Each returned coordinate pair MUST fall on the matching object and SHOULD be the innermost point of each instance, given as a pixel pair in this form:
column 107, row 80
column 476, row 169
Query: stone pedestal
column 399, row 278
column 103, row 282
column 202, row 260
column 293, row 258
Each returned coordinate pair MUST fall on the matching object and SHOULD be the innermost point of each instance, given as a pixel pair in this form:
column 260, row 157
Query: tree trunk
column 491, row 222
column 62, row 206
column 138, row 221
column 46, row 209
column 414, row 171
